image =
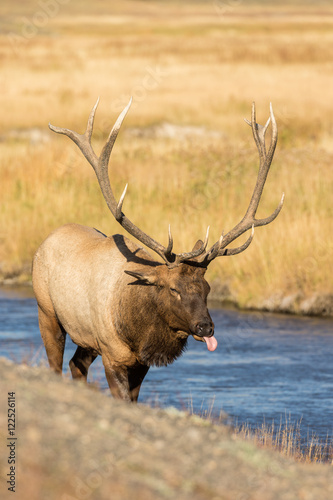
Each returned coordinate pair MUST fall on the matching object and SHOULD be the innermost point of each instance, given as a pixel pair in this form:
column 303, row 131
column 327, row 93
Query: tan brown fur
column 82, row 288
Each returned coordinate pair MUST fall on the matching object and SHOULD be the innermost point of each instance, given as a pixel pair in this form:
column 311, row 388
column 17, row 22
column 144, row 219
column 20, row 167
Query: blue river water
column 266, row 367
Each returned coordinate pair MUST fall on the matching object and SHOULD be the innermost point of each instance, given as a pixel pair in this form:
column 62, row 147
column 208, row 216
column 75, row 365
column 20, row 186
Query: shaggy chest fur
column 160, row 350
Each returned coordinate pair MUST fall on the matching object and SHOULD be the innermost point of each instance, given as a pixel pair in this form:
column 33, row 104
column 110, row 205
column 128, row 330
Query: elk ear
column 198, row 244
column 147, row 276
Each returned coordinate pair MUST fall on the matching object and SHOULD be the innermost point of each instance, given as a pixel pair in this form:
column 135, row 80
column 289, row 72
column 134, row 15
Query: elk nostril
column 204, row 328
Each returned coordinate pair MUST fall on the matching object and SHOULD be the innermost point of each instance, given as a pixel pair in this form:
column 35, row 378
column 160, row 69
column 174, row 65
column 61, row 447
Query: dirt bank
column 295, row 303
column 221, row 296
column 73, row 442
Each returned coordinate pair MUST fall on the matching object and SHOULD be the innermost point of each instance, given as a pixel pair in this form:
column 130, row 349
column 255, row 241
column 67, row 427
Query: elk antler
column 100, row 166
column 249, row 221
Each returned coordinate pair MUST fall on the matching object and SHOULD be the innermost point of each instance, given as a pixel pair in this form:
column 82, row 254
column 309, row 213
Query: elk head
column 180, row 297
column 180, row 281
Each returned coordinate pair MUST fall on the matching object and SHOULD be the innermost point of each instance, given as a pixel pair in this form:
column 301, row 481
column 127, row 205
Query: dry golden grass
column 197, row 64
column 286, row 439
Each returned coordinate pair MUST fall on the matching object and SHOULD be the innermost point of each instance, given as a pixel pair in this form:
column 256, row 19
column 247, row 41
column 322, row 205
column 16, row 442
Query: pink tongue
column 211, row 343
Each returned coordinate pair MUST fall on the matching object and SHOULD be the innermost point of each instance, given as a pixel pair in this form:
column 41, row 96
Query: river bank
column 75, row 442
column 220, row 296
column 296, row 303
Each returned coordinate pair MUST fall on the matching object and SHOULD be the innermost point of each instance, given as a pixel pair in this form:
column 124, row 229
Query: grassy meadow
column 193, row 69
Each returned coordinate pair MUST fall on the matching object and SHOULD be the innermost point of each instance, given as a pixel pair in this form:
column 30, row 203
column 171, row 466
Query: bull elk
column 113, row 298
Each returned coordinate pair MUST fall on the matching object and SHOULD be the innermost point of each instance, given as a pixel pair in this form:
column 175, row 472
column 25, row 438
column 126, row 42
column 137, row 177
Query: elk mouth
column 203, row 331
column 211, row 341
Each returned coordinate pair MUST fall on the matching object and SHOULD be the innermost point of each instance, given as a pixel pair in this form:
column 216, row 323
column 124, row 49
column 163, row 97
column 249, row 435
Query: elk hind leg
column 54, row 338
column 80, row 363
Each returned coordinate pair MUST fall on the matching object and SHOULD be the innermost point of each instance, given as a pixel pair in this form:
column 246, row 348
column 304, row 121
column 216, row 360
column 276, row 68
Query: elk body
column 113, row 299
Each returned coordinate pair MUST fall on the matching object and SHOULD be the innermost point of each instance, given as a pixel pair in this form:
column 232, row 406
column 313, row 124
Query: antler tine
column 259, row 131
column 168, row 250
column 82, row 140
column 119, row 213
column 102, row 168
column 235, row 251
column 106, row 151
column 90, row 123
column 218, row 250
column 212, row 252
column 265, row 159
column 249, row 220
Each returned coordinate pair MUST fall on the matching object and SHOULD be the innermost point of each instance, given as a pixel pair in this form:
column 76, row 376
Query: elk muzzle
column 204, row 328
column 204, row 332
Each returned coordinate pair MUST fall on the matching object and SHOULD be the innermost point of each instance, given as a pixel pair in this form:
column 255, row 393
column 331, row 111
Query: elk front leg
column 80, row 362
column 135, row 379
column 124, row 381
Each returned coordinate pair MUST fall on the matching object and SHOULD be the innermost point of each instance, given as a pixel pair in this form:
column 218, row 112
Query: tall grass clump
column 286, row 439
